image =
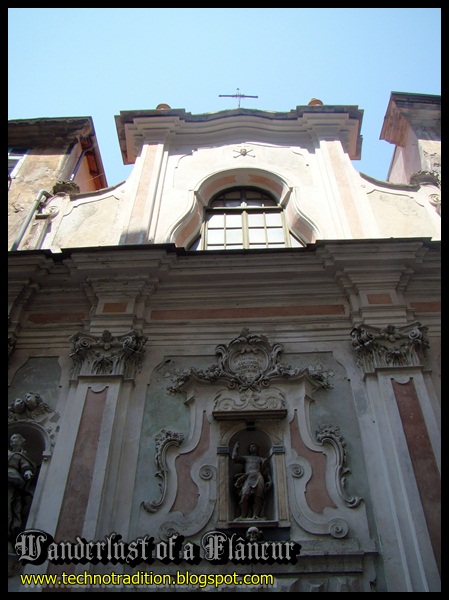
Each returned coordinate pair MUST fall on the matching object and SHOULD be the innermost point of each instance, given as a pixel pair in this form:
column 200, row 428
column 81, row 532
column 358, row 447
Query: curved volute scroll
column 318, row 474
column 164, row 440
column 331, row 434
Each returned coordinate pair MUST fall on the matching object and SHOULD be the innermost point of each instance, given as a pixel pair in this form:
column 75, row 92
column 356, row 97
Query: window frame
column 17, row 154
column 243, row 209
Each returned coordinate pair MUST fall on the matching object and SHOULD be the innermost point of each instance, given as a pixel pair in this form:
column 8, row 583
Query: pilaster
column 403, row 444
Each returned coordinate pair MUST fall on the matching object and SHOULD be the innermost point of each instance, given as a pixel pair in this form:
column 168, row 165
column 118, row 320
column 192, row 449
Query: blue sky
column 96, row 62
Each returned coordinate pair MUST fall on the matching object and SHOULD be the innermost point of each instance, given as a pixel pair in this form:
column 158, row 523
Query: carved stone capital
column 390, row 346
column 66, row 187
column 107, row 354
column 426, row 177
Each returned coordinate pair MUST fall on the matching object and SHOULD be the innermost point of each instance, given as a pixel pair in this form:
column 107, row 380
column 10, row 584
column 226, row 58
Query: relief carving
column 107, row 354
column 249, row 362
column 164, row 440
column 250, row 404
column 331, row 434
column 435, row 201
column 32, row 408
column 432, row 177
column 390, row 346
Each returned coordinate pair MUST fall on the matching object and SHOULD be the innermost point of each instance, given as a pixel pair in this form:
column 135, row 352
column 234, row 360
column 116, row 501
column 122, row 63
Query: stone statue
column 21, row 471
column 253, row 483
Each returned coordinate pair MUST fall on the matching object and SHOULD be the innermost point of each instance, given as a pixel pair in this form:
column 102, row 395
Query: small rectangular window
column 16, row 156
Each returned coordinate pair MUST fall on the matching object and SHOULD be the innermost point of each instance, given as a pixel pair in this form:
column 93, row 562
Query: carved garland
column 249, row 362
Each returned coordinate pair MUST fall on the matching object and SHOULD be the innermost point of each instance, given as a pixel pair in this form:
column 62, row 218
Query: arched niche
column 21, row 496
column 39, row 439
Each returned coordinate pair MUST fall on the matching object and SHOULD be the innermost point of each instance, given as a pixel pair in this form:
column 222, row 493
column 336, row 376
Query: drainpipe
column 80, row 160
column 78, row 163
column 37, row 203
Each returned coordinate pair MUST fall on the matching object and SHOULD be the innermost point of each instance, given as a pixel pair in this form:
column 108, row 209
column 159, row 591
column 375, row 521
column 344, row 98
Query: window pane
column 15, row 158
column 256, row 219
column 215, row 236
column 261, row 202
column 257, row 236
column 236, row 195
column 237, row 218
column 216, row 220
column 234, row 236
column 273, row 219
column 275, row 235
column 233, row 220
column 294, row 242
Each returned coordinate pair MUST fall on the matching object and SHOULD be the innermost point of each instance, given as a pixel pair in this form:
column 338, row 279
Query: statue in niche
column 21, row 472
column 253, row 483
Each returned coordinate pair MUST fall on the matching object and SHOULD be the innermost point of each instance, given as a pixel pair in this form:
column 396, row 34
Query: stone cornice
column 343, row 123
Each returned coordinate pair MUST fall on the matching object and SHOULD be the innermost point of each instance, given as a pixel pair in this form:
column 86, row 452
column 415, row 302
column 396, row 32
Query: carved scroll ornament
column 331, row 434
column 164, row 440
column 249, row 362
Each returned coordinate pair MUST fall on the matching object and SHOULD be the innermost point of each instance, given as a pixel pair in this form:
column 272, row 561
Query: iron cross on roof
column 237, row 95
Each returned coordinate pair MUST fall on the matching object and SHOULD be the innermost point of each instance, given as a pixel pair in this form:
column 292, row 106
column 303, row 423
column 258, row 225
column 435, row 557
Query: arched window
column 244, row 217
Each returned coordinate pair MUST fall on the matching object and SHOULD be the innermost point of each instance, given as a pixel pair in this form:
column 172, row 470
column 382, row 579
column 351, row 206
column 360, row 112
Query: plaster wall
column 326, row 199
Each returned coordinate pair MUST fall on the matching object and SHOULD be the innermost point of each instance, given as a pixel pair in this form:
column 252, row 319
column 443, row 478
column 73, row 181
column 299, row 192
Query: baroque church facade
column 228, row 364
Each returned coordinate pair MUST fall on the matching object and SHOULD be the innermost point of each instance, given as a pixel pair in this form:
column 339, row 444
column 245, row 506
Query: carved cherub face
column 32, row 400
column 18, row 406
column 252, row 534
